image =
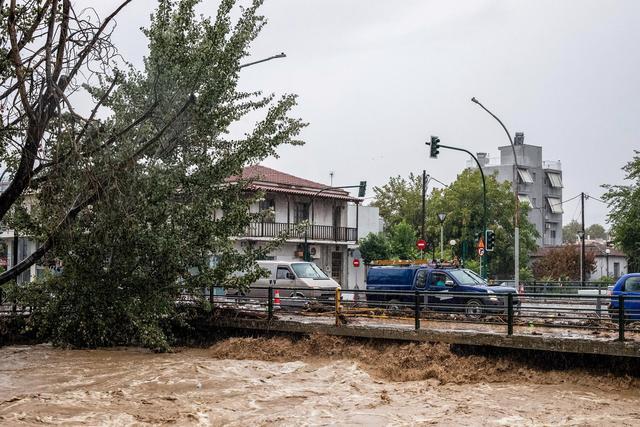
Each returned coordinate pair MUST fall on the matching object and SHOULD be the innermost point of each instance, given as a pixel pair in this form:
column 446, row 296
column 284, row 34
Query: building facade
column 294, row 202
column 539, row 184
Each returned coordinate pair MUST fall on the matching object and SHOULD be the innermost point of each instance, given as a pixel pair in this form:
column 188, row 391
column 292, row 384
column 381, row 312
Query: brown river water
column 315, row 381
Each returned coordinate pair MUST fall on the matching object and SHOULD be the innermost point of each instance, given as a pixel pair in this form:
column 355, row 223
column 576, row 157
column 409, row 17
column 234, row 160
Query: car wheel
column 473, row 309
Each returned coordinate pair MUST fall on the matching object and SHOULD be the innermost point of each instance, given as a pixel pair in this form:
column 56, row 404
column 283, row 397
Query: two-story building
column 295, row 201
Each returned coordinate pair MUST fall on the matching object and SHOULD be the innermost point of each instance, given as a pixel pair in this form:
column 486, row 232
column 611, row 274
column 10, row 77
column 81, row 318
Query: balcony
column 314, row 232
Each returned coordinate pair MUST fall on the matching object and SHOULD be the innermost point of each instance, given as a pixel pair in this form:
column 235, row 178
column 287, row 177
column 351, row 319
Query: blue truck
column 447, row 289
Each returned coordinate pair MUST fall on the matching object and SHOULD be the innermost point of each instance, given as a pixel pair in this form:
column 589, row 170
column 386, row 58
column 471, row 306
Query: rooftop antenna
column 331, row 173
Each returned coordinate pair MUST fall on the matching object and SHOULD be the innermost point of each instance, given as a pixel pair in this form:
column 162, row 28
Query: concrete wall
column 369, row 220
column 601, row 266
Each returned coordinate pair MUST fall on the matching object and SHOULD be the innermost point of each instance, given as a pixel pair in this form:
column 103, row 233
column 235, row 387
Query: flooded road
column 317, row 381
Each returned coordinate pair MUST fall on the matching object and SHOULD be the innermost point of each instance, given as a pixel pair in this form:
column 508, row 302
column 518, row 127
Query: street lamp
column 452, row 242
column 280, row 55
column 442, row 217
column 606, row 255
column 516, row 227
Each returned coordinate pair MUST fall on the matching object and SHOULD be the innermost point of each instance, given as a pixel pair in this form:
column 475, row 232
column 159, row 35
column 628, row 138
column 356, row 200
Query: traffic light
column 363, row 188
column 435, row 147
column 490, row 240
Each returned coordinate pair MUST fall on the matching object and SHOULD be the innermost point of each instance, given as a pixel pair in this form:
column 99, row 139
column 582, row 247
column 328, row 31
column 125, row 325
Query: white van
column 293, row 279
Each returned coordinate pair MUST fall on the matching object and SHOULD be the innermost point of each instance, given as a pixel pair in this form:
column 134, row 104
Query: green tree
column 570, row 231
column 463, row 206
column 400, row 200
column 624, row 212
column 402, row 238
column 375, row 246
column 159, row 203
column 596, row 231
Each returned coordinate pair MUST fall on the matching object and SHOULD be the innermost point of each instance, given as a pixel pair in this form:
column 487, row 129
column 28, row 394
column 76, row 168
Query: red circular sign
column 421, row 244
column 356, row 262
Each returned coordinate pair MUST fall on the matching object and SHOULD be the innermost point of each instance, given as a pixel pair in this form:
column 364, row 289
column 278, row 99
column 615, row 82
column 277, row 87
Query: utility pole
column 582, row 245
column 424, row 202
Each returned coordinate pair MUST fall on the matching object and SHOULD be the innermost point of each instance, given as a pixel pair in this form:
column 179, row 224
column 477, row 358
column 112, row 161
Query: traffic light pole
column 483, row 263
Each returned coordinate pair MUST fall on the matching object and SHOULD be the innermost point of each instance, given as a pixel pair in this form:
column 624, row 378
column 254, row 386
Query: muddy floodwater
column 318, row 381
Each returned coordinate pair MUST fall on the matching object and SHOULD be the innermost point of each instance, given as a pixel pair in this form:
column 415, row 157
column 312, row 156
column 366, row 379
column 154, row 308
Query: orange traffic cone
column 276, row 298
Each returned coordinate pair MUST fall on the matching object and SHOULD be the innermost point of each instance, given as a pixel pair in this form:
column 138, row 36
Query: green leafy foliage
column 375, row 247
column 400, row 200
column 162, row 203
column 624, row 212
column 570, row 231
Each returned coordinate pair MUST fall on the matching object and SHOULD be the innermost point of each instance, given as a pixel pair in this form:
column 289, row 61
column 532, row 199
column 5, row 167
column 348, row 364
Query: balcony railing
column 314, row 232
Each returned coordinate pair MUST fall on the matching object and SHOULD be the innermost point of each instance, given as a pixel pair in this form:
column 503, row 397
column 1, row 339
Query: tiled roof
column 268, row 179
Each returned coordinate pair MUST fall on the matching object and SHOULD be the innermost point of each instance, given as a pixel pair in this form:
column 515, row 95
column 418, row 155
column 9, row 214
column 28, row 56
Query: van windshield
column 308, row 270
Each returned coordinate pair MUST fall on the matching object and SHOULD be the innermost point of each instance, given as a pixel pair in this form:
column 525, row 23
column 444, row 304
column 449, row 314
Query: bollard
column 620, row 318
column 509, row 314
column 337, row 306
column 270, row 303
column 417, row 310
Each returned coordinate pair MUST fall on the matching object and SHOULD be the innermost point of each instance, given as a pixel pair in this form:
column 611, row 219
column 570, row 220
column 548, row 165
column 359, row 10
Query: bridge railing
column 599, row 315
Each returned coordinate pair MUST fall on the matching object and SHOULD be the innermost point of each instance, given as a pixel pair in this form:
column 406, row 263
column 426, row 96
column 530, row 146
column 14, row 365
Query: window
column 555, row 179
column 535, row 202
column 616, row 269
column 268, row 207
column 533, row 175
column 632, row 284
column 523, row 198
column 301, row 212
column 439, row 279
column 555, row 205
column 552, row 234
column 308, row 270
column 421, row 279
column 525, row 176
column 281, row 273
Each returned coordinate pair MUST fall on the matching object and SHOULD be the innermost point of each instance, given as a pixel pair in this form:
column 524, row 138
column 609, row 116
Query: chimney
column 519, row 139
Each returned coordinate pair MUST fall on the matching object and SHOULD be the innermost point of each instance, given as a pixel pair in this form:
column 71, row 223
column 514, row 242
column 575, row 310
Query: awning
column 525, row 176
column 555, row 205
column 523, row 198
column 555, row 179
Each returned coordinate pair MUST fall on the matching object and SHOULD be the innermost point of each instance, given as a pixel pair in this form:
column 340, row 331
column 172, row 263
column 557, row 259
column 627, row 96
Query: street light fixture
column 452, row 242
column 280, row 55
column 607, row 252
column 516, row 220
column 442, row 217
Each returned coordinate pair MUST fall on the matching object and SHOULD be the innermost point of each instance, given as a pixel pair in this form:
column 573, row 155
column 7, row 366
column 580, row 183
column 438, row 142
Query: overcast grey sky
column 377, row 78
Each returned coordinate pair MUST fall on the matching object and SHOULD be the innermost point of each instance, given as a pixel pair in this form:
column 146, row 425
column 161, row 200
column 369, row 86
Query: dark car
column 627, row 286
column 448, row 289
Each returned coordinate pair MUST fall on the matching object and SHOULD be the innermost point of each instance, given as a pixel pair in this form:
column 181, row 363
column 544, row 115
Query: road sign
column 481, row 243
column 481, row 251
column 421, row 244
column 356, row 262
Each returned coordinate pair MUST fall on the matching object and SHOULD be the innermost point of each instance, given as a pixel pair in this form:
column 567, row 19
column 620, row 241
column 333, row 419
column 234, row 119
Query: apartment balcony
column 314, row 232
